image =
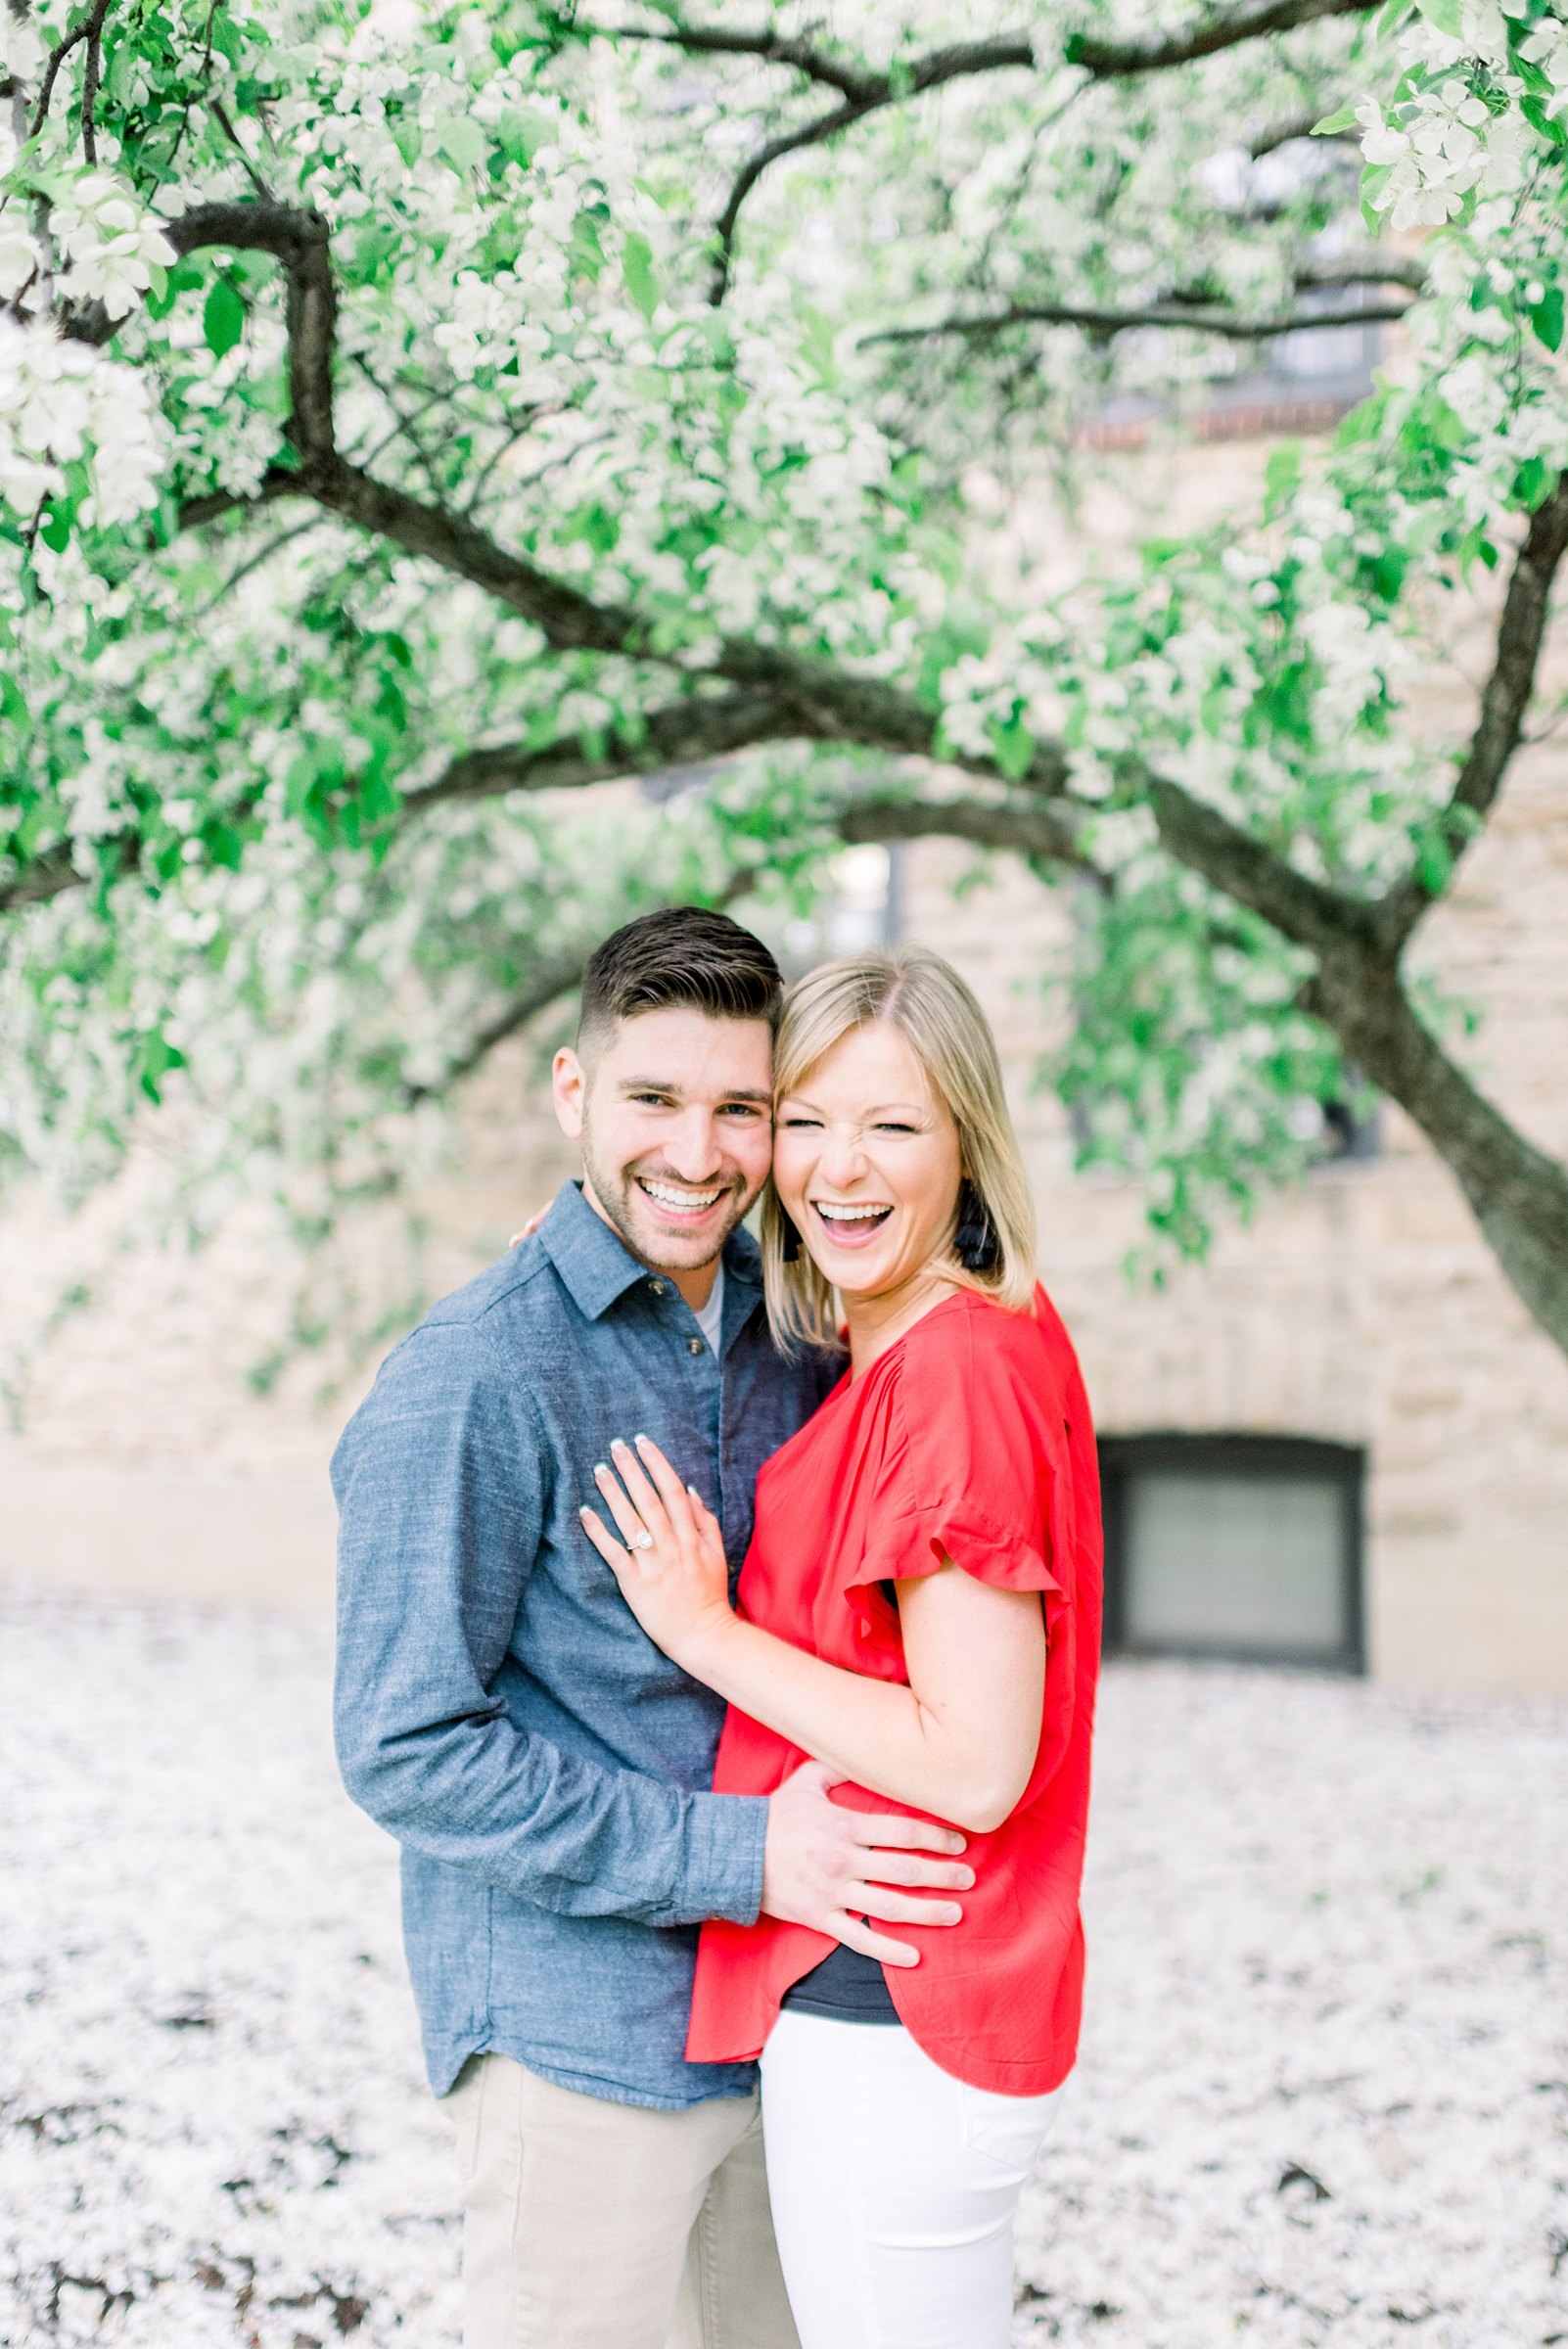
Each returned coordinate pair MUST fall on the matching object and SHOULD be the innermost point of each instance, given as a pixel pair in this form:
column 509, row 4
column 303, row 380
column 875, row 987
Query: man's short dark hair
column 682, row 958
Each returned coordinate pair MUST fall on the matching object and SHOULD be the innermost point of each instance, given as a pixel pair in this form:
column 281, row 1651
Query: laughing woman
column 919, row 1612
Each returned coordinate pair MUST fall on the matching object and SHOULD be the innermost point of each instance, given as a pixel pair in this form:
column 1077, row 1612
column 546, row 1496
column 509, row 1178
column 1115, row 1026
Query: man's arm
column 442, row 1482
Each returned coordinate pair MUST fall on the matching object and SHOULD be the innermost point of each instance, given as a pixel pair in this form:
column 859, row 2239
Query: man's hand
column 819, row 1862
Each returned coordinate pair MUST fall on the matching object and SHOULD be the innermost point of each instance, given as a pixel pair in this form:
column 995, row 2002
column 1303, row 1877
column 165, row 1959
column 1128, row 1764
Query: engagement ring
column 642, row 1540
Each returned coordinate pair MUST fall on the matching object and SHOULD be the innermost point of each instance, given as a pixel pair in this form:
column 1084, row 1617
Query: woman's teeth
column 690, row 1203
column 851, row 1214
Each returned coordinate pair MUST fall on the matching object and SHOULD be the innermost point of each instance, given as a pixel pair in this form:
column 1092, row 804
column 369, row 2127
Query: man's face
column 677, row 1126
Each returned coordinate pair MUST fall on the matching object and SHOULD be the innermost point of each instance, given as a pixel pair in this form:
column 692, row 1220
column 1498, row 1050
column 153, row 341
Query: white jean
column 893, row 2188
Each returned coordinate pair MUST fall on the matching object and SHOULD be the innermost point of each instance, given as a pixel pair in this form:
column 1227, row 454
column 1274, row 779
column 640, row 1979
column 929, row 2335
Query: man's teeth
column 849, row 1214
column 668, row 1197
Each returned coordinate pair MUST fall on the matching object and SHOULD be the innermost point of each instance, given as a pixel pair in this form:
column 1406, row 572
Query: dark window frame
column 1260, row 1456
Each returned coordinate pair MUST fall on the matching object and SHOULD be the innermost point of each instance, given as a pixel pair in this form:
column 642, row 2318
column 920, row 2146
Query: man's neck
column 696, row 1285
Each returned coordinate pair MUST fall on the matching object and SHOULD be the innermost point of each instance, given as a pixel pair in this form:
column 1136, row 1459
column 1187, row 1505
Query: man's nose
column 693, row 1147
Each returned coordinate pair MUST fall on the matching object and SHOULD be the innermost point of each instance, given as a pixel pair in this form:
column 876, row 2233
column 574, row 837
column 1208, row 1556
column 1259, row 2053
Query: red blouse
column 970, row 1435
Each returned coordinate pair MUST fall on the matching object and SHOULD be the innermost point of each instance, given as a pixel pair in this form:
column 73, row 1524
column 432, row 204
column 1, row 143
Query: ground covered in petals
column 1323, row 2094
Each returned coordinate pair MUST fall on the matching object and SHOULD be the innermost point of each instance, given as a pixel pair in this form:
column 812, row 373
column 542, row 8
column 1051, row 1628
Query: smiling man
column 545, row 1769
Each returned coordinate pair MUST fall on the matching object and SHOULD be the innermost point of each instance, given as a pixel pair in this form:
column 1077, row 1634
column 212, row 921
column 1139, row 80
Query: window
column 1247, row 1546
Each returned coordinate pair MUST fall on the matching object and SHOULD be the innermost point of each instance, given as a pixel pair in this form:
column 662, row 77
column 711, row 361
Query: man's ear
column 569, row 1090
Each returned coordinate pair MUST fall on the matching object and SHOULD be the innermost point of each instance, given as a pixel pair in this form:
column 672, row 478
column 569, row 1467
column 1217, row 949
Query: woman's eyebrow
column 878, row 1109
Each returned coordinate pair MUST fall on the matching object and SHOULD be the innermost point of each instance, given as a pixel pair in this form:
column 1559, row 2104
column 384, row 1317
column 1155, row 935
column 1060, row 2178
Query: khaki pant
column 595, row 2226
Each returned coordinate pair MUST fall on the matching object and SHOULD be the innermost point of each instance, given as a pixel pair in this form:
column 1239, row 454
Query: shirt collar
column 597, row 1267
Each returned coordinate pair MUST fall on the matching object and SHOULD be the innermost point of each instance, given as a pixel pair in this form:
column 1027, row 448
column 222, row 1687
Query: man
column 546, row 1771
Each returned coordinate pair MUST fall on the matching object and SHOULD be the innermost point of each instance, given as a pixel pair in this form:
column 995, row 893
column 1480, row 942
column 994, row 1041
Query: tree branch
column 1503, row 703
column 872, row 91
column 87, row 30
column 47, row 875
column 554, row 980
column 89, row 81
column 1326, row 920
column 279, row 481
column 1276, row 135
column 299, row 239
column 1518, row 1194
column 1365, row 269
column 1176, row 316
column 863, row 91
column 1047, row 833
column 687, row 734
column 1111, row 61
column 853, row 83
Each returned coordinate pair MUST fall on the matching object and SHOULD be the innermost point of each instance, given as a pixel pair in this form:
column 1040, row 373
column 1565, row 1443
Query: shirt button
column 696, row 1345
column 658, row 1287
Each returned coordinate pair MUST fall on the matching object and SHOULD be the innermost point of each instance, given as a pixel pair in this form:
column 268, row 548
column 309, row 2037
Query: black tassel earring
column 791, row 1241
column 974, row 1241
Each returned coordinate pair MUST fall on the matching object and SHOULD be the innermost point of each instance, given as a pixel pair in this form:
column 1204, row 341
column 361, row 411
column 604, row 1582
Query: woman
column 919, row 1611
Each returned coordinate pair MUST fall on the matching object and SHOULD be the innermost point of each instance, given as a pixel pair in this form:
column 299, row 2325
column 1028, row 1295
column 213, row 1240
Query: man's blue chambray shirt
column 499, row 1711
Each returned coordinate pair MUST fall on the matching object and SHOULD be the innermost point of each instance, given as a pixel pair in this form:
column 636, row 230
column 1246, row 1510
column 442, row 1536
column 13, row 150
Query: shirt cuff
column 726, row 1838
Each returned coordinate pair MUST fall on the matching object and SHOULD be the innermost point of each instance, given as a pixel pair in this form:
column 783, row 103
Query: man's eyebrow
column 662, row 1084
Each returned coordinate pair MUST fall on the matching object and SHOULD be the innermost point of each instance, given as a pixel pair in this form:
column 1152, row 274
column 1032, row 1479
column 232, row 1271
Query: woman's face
column 867, row 1164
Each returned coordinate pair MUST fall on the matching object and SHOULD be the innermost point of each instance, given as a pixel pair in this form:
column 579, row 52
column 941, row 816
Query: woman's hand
column 672, row 1573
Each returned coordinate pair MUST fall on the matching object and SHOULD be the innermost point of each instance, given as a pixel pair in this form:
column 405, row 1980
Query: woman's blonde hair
column 923, row 998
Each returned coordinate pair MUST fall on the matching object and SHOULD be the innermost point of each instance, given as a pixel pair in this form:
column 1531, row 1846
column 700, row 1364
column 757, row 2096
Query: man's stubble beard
column 612, row 1191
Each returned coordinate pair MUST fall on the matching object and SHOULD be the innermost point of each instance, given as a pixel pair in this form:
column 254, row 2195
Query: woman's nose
column 843, row 1160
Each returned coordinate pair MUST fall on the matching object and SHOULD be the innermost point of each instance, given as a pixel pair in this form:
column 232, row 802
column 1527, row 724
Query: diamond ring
column 642, row 1540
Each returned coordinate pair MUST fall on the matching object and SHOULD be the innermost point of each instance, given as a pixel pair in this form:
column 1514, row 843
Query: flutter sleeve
column 971, row 1461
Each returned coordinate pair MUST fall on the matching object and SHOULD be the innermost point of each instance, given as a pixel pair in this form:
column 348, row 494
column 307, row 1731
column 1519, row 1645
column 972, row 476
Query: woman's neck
column 877, row 1323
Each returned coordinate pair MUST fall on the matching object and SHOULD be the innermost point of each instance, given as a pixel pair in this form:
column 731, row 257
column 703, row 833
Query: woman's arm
column 959, row 1742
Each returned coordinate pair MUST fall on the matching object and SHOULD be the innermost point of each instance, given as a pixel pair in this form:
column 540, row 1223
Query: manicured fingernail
column 692, row 1490
column 620, row 1444
column 641, row 1439
column 584, row 1514
column 601, row 1467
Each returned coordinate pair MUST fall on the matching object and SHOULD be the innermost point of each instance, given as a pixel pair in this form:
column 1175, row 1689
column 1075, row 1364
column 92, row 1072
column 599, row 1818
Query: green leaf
column 1551, row 126
column 1546, row 318
column 169, row 284
column 1474, row 545
column 524, row 129
column 636, row 267
column 714, row 326
column 1331, row 125
column 1012, row 744
column 222, row 318
column 1374, row 179
column 1282, row 476
column 153, row 1059
column 462, row 142
column 406, row 138
column 1531, row 483
column 595, row 524
column 1446, row 15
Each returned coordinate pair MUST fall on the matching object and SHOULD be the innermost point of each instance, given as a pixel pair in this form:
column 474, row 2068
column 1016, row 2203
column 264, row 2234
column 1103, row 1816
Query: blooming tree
column 410, row 417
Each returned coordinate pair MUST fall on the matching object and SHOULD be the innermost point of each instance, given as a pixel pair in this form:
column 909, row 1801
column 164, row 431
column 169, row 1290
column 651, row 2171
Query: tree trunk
column 1518, row 1194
